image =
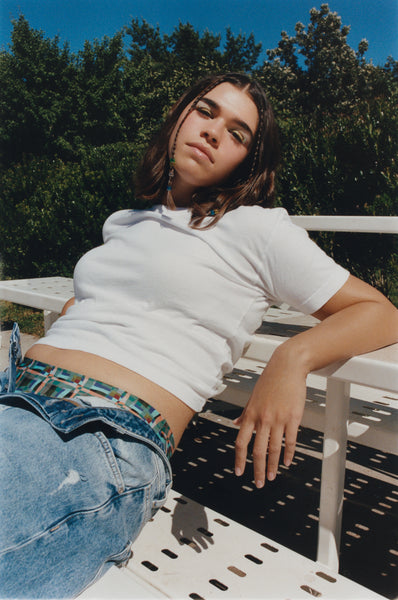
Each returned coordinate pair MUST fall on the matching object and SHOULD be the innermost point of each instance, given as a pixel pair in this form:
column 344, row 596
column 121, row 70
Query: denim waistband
column 33, row 376
column 68, row 409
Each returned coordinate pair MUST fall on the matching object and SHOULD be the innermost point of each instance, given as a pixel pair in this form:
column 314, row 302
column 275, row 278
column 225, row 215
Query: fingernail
column 238, row 471
column 288, row 462
column 271, row 476
column 259, row 483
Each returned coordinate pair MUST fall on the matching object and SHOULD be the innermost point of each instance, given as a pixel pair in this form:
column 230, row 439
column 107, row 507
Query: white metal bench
column 48, row 294
column 372, row 421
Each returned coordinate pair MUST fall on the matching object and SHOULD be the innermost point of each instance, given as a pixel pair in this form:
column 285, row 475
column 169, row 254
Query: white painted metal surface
column 190, row 551
column 45, row 293
column 121, row 583
column 376, row 369
column 354, row 224
column 333, row 473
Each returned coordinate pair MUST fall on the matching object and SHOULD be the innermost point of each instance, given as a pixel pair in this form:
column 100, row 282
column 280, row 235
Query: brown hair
column 252, row 182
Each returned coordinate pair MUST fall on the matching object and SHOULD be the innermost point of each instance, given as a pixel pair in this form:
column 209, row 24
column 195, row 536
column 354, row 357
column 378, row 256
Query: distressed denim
column 7, row 377
column 77, row 484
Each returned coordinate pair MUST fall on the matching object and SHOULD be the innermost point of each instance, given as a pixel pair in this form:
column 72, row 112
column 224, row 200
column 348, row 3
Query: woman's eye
column 204, row 110
column 238, row 135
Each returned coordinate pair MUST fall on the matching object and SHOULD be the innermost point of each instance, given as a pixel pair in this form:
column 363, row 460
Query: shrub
column 53, row 211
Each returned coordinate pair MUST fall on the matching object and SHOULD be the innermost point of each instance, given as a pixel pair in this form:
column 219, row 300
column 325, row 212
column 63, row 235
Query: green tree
column 317, row 68
column 185, row 49
column 36, row 96
column 188, row 47
column 55, row 103
column 339, row 129
column 241, row 53
column 52, row 212
column 100, row 92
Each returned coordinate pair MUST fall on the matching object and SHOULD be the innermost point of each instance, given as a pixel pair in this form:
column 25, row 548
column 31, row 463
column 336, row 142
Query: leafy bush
column 53, row 211
column 347, row 165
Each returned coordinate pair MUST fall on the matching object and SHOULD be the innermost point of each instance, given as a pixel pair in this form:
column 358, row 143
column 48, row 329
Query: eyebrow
column 239, row 122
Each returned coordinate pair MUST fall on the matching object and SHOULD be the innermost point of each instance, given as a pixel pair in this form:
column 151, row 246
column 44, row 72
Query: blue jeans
column 77, row 484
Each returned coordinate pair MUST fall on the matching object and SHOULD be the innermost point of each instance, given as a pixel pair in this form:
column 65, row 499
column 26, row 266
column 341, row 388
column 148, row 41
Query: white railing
column 348, row 224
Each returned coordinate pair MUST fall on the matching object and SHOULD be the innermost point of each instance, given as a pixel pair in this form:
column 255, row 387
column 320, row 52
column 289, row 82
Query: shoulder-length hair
column 252, row 182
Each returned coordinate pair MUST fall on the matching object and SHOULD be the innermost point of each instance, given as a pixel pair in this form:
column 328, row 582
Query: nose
column 212, row 133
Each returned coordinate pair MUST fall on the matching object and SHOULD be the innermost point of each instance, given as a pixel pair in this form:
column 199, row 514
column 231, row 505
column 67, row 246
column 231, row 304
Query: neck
column 180, row 203
column 181, row 192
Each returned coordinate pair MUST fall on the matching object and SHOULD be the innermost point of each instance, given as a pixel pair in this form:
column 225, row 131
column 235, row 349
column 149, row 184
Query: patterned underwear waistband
column 39, row 378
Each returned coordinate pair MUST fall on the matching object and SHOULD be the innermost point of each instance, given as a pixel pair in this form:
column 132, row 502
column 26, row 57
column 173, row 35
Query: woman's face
column 213, row 140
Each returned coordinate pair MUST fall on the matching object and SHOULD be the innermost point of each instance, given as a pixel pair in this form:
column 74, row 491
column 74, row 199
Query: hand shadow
column 190, row 525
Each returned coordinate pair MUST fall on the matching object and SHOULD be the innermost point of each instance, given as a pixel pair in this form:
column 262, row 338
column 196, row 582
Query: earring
column 171, row 173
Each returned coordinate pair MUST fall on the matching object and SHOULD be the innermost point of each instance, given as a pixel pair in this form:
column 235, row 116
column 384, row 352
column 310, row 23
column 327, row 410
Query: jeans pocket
column 142, row 467
column 112, row 461
column 163, row 485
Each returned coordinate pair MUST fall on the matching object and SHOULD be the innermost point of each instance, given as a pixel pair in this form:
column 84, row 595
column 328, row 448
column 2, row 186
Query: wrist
column 294, row 355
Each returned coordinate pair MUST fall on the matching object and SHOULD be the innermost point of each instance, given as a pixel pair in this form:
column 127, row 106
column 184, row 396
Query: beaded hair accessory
column 258, row 141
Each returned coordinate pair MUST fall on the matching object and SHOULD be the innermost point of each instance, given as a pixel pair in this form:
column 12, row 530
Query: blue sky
column 78, row 20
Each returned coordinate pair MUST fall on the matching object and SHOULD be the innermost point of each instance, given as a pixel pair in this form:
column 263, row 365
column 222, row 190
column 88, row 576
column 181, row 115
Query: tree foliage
column 339, row 129
column 74, row 126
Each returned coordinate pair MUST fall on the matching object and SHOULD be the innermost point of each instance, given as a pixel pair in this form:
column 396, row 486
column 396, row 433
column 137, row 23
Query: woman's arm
column 357, row 319
column 67, row 305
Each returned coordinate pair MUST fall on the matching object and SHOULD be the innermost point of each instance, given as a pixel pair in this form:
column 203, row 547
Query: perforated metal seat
column 190, row 551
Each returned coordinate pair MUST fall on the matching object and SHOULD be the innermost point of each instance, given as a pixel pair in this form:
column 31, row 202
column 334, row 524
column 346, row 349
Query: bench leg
column 333, row 472
column 49, row 317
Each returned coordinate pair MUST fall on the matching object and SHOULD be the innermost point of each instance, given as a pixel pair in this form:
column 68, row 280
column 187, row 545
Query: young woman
column 162, row 310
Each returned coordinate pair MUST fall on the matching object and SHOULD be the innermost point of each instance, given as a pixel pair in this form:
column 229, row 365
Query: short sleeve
column 296, row 271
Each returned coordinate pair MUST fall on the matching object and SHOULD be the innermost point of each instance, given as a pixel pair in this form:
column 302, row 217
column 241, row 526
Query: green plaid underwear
column 39, row 378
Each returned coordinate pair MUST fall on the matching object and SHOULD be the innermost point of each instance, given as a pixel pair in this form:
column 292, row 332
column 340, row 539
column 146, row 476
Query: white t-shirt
column 179, row 305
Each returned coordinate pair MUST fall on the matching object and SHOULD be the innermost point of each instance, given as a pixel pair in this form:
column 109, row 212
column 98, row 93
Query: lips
column 201, row 149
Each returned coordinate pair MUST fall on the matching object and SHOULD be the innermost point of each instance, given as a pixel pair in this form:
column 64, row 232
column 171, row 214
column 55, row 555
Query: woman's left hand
column 355, row 320
column 273, row 413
